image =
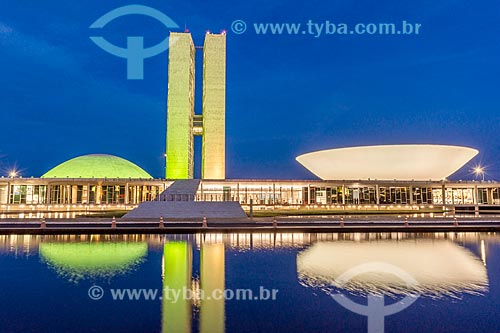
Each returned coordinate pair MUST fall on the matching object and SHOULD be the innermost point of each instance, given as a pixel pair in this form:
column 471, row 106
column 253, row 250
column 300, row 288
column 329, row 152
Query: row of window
column 116, row 194
column 352, row 195
column 81, row 194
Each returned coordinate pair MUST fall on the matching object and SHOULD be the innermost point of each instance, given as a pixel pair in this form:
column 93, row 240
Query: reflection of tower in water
column 180, row 294
column 212, row 310
column 176, row 311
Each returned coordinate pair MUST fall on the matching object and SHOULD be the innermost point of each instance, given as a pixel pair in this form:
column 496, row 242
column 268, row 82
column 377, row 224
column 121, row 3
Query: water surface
column 46, row 282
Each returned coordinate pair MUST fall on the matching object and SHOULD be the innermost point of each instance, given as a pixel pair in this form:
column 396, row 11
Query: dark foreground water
column 397, row 282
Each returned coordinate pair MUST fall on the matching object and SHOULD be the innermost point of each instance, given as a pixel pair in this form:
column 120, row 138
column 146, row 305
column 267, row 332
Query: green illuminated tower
column 182, row 123
column 214, row 107
column 180, row 106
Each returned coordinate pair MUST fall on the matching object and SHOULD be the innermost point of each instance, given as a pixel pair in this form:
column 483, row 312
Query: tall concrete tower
column 180, row 106
column 182, row 123
column 214, row 107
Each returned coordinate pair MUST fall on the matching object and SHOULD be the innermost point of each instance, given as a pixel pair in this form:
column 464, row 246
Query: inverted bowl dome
column 388, row 162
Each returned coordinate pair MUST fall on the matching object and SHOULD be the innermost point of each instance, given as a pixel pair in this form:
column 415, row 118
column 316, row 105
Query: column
column 443, row 193
column 308, row 194
column 274, row 194
column 48, row 194
column 74, row 194
column 343, row 194
column 8, row 193
column 126, row 193
column 411, row 195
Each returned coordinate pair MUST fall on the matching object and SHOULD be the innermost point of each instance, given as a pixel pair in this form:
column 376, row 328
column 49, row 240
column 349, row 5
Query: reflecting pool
column 251, row 282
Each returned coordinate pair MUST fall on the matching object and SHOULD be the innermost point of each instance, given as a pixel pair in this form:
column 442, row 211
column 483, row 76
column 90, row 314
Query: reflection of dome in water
column 97, row 166
column 441, row 268
column 92, row 260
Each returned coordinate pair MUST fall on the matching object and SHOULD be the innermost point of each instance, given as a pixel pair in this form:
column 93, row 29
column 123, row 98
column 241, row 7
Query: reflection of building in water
column 25, row 245
column 435, row 260
column 176, row 308
column 177, row 280
column 212, row 311
column 259, row 240
column 242, row 241
column 79, row 260
column 441, row 268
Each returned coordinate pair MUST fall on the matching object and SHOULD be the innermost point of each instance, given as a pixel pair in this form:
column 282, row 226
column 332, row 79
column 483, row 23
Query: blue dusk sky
column 287, row 94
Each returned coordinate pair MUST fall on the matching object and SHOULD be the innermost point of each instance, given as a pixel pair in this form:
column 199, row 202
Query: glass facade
column 62, row 194
column 27, row 194
column 277, row 193
column 496, row 196
column 257, row 192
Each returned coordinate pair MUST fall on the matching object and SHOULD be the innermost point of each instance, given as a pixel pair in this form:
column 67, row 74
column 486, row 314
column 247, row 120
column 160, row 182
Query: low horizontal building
column 66, row 198
column 96, row 184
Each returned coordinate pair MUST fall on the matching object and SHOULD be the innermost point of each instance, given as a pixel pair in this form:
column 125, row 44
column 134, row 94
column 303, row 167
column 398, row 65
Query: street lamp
column 479, row 171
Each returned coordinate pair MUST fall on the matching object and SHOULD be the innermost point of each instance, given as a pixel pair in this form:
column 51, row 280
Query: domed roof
column 387, row 162
column 97, row 166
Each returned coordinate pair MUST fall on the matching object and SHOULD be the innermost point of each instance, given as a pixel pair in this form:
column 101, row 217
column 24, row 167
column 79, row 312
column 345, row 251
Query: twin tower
column 182, row 123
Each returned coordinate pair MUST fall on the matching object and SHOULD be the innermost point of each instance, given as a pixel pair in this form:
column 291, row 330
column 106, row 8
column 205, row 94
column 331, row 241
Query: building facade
column 180, row 105
column 182, row 122
column 66, row 198
column 214, row 107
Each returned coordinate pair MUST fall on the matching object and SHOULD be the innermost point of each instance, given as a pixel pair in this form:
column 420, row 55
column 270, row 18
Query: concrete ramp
column 181, row 190
column 187, row 210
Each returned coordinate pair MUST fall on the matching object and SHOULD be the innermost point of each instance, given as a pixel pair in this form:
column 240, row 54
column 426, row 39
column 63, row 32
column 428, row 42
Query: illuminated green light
column 180, row 105
column 177, row 261
column 90, row 260
column 97, row 166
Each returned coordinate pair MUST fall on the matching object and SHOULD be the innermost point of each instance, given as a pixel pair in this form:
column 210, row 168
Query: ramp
column 187, row 210
column 181, row 190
